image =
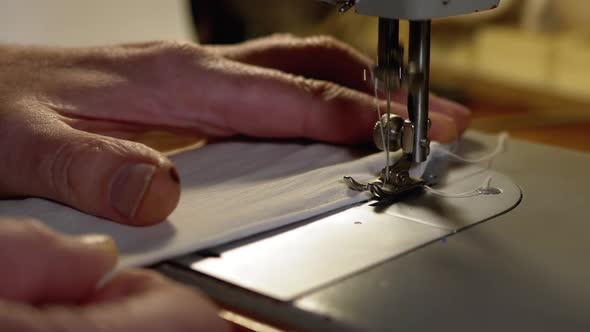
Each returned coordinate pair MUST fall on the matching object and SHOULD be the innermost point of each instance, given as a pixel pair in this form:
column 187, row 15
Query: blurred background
column 523, row 68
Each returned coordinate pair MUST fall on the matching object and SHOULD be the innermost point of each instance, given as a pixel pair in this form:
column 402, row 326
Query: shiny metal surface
column 293, row 263
column 392, row 133
column 419, row 87
column 390, row 56
column 286, row 265
column 523, row 271
column 395, row 124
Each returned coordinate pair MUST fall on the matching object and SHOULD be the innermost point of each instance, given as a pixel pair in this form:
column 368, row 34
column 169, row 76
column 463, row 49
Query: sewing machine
column 391, row 132
column 495, row 276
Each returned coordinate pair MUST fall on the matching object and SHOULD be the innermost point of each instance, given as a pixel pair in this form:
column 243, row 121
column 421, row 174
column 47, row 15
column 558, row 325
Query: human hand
column 48, row 284
column 67, row 115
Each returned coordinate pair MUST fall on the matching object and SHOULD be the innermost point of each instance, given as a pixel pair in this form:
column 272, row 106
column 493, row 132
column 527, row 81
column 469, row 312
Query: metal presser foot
column 394, row 181
column 386, row 194
column 393, row 133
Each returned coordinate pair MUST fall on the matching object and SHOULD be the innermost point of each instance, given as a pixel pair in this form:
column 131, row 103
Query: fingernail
column 102, row 243
column 174, row 175
column 95, row 239
column 129, row 187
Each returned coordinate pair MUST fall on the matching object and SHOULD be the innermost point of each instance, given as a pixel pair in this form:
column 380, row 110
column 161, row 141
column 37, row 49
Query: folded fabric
column 229, row 190
column 232, row 190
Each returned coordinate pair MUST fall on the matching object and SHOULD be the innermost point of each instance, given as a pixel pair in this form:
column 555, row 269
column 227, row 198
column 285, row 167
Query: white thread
column 484, row 189
column 385, row 145
column 376, row 99
column 475, row 192
column 481, row 190
column 500, row 148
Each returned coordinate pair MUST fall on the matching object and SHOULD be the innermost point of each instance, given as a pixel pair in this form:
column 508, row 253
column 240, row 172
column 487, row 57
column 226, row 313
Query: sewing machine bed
column 523, row 270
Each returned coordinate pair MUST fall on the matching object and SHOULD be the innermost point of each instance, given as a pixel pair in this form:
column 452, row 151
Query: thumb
column 120, row 180
column 40, row 266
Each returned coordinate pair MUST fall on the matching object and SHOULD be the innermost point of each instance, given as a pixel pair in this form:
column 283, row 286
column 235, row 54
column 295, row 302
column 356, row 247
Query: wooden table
column 569, row 130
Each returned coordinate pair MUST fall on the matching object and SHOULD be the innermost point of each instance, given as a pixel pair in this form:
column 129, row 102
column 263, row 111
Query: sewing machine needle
column 388, row 130
column 382, row 132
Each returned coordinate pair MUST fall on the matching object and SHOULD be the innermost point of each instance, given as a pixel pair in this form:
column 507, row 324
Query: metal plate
column 287, row 265
column 526, row 270
column 523, row 271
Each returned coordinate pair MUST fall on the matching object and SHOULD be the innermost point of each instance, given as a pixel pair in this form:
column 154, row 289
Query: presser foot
column 385, row 194
column 399, row 185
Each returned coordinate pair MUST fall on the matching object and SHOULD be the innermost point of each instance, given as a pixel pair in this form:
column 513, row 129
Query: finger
column 40, row 266
column 320, row 57
column 120, row 180
column 146, row 308
column 140, row 300
column 443, row 129
column 217, row 97
column 269, row 103
column 325, row 58
column 460, row 114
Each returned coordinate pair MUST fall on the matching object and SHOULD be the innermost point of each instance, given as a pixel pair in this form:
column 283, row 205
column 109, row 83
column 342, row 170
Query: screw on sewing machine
column 393, row 141
column 346, row 4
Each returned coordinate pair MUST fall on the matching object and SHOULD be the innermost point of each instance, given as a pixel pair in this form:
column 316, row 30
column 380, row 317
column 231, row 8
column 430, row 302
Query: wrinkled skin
column 67, row 117
column 65, row 114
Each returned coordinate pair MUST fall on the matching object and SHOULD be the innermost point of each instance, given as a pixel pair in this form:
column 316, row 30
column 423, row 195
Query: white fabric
column 229, row 191
column 291, row 263
column 279, row 266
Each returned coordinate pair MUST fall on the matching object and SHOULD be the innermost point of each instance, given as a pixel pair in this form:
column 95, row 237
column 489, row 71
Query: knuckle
column 324, row 41
column 64, row 167
column 57, row 169
column 173, row 47
column 167, row 52
column 314, row 42
column 76, row 167
column 285, row 37
column 311, row 86
column 320, row 89
column 163, row 54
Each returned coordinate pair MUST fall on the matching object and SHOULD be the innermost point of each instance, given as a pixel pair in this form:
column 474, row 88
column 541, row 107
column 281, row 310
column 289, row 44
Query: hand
column 48, row 284
column 67, row 115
